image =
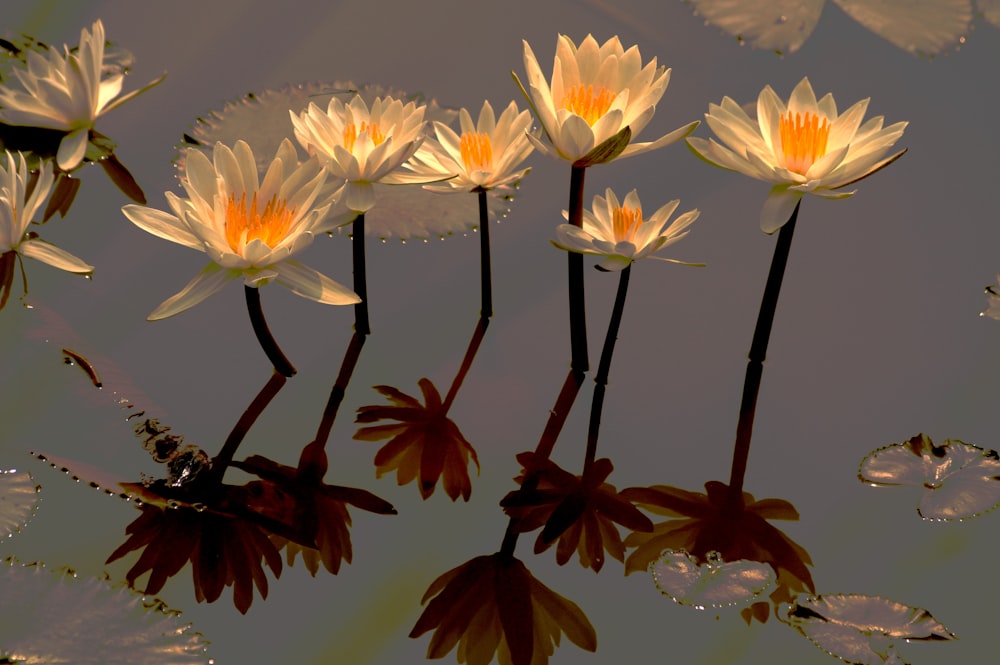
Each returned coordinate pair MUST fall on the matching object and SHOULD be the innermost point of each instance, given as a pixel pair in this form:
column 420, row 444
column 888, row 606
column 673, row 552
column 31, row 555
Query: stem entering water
column 361, row 324
column 264, row 337
column 577, row 313
column 485, row 275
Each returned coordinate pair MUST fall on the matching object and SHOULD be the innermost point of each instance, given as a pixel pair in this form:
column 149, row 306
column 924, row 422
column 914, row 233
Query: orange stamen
column 625, row 222
column 588, row 103
column 803, row 140
column 244, row 223
column 351, row 134
column 477, row 151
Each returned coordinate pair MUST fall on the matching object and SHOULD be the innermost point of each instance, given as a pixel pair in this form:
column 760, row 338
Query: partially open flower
column 424, row 443
column 596, row 93
column 579, row 512
column 67, row 92
column 492, row 605
column 804, row 147
column 618, row 232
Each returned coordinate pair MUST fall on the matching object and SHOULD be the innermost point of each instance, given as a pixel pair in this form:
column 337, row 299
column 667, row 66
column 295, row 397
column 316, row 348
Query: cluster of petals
column 17, row 208
column 802, row 147
column 618, row 232
column 363, row 145
column 485, row 155
column 493, row 606
column 66, row 91
column 249, row 227
column 596, row 92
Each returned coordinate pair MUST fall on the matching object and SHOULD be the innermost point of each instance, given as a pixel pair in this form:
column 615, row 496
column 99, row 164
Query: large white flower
column 361, row 145
column 486, row 155
column 618, row 232
column 16, row 212
column 249, row 228
column 804, row 147
column 68, row 92
column 596, row 92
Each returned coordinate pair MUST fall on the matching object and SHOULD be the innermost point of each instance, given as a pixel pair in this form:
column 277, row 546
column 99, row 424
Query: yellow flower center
column 351, row 133
column 477, row 151
column 625, row 222
column 588, row 103
column 245, row 223
column 803, row 140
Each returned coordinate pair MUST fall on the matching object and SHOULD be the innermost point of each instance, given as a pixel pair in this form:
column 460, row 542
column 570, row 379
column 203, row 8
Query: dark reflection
column 712, row 522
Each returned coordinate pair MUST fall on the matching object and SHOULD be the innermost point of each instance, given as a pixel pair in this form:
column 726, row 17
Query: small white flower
column 249, row 227
column 595, row 93
column 804, row 147
column 68, row 92
column 618, row 232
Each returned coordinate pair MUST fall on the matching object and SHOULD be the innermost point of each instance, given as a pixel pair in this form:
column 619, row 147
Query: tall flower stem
column 361, row 325
column 485, row 273
column 577, row 313
column 264, row 337
column 333, row 402
column 604, row 368
column 243, row 425
column 758, row 352
column 470, row 354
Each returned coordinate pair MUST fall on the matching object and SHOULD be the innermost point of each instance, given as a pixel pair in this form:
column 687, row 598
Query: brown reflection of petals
column 493, row 605
column 578, row 511
column 425, row 444
column 710, row 522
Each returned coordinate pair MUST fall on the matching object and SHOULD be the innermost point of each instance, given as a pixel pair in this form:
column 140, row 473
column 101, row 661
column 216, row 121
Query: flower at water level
column 250, row 228
column 804, row 147
column 618, row 232
column 596, row 93
column 16, row 210
column 67, row 92
column 361, row 145
column 486, row 154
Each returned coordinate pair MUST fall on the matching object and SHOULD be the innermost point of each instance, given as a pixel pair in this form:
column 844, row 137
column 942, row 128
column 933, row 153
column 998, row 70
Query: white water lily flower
column 249, row 228
column 595, row 93
column 804, row 147
column 360, row 145
column 67, row 92
column 618, row 232
column 485, row 156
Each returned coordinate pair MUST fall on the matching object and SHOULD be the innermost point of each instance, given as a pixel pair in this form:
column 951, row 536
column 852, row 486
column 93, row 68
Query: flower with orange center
column 618, row 232
column 249, row 227
column 485, row 155
column 597, row 91
column 804, row 147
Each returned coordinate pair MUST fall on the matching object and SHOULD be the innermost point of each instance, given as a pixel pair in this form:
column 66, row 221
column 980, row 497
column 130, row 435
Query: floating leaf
column 714, row 583
column 18, row 501
column 959, row 480
column 776, row 25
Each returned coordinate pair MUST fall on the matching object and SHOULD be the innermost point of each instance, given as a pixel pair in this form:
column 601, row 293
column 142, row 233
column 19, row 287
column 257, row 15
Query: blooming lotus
column 596, row 93
column 618, row 232
column 361, row 145
column 16, row 210
column 486, row 154
column 249, row 227
column 67, row 92
column 804, row 147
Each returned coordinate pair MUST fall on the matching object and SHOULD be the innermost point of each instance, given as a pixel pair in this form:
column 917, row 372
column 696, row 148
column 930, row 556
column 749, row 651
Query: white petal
column 778, row 208
column 72, row 148
column 209, row 281
column 58, row 258
column 308, row 283
column 162, row 225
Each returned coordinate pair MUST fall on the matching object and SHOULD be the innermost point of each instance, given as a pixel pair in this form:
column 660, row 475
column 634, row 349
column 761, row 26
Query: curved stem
column 264, row 337
column 361, row 324
column 758, row 352
column 485, row 273
column 243, row 425
column 470, row 354
column 604, row 368
column 333, row 402
column 577, row 313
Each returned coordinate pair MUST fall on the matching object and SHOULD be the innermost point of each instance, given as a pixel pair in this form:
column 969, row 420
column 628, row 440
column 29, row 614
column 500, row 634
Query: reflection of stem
column 485, row 279
column 340, row 387
column 243, row 425
column 470, row 355
column 577, row 314
column 281, row 364
column 758, row 351
column 361, row 325
column 604, row 368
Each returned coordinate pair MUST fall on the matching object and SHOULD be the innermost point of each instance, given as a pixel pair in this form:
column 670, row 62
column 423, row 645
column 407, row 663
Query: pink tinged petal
column 803, row 99
column 778, row 208
column 308, row 283
column 674, row 136
column 209, row 281
column 162, row 225
column 47, row 253
column 770, row 108
column 72, row 148
column 845, row 127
